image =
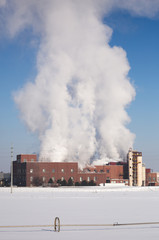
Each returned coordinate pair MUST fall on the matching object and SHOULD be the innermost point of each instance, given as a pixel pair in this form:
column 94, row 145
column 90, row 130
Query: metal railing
column 57, row 225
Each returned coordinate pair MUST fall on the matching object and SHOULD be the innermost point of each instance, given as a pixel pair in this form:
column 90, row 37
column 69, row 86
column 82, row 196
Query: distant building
column 152, row 178
column 136, row 168
column 4, row 179
column 7, row 176
column 1, row 176
column 27, row 171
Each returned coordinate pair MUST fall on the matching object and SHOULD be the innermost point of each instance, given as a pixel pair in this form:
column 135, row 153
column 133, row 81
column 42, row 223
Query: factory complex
column 29, row 172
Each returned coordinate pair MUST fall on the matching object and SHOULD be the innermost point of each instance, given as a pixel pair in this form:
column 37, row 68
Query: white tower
column 135, row 168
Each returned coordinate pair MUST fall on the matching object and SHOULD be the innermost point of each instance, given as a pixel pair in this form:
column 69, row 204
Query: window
column 107, row 170
column 32, row 160
column 81, row 179
column 62, row 170
column 25, row 160
column 53, row 170
column 72, row 178
column 72, row 170
column 43, row 179
column 88, row 179
column 95, row 179
column 53, row 179
column 31, row 179
column 154, row 179
column 31, row 170
column 62, row 178
column 44, row 170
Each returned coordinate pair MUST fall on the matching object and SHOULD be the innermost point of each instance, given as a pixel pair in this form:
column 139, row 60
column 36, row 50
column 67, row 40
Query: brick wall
column 152, row 179
column 50, row 170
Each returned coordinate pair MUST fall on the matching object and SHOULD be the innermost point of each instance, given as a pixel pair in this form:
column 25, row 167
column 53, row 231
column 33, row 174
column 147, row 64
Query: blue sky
column 138, row 36
column 18, row 65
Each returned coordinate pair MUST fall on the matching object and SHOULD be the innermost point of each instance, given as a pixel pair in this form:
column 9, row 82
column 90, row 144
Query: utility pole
column 11, row 172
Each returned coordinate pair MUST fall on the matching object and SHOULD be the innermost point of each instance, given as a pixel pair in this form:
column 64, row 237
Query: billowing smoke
column 77, row 102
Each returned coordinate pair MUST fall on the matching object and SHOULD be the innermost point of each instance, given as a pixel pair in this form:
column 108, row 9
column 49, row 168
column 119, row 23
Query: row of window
column 99, row 171
column 43, row 178
column 53, row 170
column 53, row 179
column 62, row 170
column 153, row 179
column 31, row 179
column 88, row 179
column 114, row 181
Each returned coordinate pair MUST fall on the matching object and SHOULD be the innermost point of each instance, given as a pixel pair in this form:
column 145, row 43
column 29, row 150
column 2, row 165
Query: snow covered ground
column 85, row 205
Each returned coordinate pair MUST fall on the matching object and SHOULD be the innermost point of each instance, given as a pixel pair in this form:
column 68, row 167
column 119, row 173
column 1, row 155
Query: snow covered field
column 87, row 205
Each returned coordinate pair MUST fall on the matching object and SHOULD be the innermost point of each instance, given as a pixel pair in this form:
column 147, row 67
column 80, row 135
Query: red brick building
column 152, row 178
column 27, row 171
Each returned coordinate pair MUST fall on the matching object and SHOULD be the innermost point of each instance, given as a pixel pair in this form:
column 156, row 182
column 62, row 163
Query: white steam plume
column 77, row 102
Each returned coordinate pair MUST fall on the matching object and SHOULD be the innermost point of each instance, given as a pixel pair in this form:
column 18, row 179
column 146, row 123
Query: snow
column 80, row 205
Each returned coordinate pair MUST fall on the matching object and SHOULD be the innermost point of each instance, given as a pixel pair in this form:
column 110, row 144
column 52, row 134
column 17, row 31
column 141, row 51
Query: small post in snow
column 57, row 224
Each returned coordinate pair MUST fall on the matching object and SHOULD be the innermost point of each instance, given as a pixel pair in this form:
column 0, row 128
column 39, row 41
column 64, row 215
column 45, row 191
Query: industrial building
column 27, row 171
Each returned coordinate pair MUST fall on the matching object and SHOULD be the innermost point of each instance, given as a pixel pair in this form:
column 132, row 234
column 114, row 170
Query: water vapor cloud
column 77, row 102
